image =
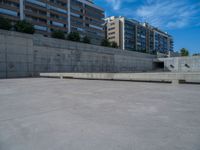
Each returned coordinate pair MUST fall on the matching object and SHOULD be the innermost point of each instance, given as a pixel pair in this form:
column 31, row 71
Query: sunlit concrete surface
column 55, row 114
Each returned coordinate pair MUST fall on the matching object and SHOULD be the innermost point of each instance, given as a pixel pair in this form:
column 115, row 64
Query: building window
column 113, row 28
column 36, row 2
column 59, row 3
column 58, row 9
column 75, row 15
column 111, row 33
column 8, row 12
column 112, row 37
column 57, row 24
column 75, row 8
column 42, row 28
column 6, row 2
column 96, row 27
column 112, row 24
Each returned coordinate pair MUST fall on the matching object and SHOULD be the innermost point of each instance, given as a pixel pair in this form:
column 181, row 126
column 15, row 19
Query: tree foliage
column 196, row 54
column 5, row 24
column 106, row 43
column 86, row 40
column 74, row 36
column 58, row 34
column 25, row 27
column 184, row 52
column 114, row 45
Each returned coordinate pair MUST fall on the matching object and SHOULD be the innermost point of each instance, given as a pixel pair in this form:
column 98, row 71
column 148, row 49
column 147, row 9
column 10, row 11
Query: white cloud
column 160, row 13
column 116, row 4
column 168, row 13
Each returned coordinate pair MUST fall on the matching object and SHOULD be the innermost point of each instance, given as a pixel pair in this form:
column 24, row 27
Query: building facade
column 81, row 16
column 132, row 35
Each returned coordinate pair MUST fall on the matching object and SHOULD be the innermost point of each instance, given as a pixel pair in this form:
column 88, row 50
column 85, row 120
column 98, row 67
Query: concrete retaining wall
column 16, row 54
column 182, row 64
column 23, row 55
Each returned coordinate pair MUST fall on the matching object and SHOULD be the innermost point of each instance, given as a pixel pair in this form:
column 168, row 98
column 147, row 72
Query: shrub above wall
column 24, row 26
column 114, row 45
column 105, row 42
column 58, row 34
column 74, row 36
column 86, row 40
column 5, row 23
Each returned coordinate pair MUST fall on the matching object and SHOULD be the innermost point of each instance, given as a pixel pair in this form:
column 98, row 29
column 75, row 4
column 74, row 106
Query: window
column 13, row 4
column 37, row 27
column 112, row 24
column 111, row 28
column 57, row 24
column 111, row 33
column 75, row 8
column 96, row 27
column 37, row 2
column 75, row 15
column 112, row 37
column 8, row 12
column 58, row 9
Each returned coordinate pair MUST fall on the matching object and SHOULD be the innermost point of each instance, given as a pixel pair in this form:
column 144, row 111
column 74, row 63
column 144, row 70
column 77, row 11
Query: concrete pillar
column 175, row 82
column 21, row 7
column 61, row 76
column 48, row 15
column 69, row 15
column 123, row 34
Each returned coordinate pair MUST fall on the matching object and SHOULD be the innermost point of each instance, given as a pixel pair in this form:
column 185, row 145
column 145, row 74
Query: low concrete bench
column 174, row 78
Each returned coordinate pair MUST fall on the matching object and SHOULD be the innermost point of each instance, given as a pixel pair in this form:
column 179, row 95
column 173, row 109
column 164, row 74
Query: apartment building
column 132, row 35
column 81, row 16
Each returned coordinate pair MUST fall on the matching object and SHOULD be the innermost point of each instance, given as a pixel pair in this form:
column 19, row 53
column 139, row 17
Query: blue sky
column 180, row 18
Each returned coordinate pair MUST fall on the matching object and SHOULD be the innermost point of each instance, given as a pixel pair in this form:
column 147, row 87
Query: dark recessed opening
column 171, row 66
column 186, row 65
column 159, row 65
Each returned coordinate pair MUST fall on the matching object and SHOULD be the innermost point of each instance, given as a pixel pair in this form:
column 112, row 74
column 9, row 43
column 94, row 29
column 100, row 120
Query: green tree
column 25, row 27
column 58, row 34
column 106, row 43
column 184, row 52
column 5, row 24
column 114, row 45
column 74, row 36
column 86, row 40
column 197, row 54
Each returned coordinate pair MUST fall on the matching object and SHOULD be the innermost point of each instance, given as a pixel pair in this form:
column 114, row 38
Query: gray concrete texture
column 54, row 114
column 182, row 64
column 23, row 55
column 191, row 77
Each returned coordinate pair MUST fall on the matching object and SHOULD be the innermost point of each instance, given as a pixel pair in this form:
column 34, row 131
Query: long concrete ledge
column 149, row 77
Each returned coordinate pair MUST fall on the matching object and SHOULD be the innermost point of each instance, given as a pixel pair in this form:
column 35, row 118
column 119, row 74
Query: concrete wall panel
column 182, row 64
column 29, row 55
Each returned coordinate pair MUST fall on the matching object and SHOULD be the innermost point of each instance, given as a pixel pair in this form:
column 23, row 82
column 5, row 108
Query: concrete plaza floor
column 55, row 114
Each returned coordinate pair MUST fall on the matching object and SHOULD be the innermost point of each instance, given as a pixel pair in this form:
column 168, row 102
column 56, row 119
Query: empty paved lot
column 54, row 114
